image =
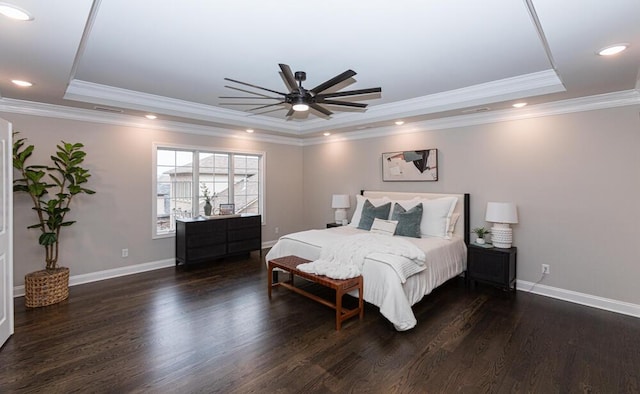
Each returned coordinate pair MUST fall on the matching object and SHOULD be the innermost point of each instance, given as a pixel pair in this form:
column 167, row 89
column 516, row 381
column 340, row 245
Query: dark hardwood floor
column 212, row 329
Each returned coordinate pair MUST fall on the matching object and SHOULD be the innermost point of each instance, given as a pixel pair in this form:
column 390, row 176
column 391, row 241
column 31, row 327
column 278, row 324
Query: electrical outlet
column 125, row 252
column 276, row 230
column 545, row 269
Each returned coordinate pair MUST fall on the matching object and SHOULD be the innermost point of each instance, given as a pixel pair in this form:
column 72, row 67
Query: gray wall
column 119, row 215
column 574, row 177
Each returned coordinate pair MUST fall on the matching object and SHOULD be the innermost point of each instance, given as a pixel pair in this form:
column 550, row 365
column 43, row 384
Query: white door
column 6, row 232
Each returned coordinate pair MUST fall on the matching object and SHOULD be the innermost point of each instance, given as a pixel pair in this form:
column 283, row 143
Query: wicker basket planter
column 46, row 287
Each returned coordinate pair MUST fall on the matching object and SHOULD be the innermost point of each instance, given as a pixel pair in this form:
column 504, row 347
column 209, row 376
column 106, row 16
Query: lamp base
column 502, row 236
column 341, row 214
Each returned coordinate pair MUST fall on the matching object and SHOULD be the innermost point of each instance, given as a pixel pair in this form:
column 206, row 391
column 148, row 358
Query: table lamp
column 501, row 214
column 340, row 202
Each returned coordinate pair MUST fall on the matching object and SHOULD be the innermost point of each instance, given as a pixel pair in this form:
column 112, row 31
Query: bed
column 384, row 285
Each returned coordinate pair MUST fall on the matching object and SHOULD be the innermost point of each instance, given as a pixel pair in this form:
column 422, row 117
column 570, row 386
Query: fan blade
column 289, row 78
column 252, row 98
column 247, row 91
column 265, row 106
column 320, row 109
column 291, row 112
column 255, row 86
column 350, row 93
column 265, row 112
column 345, row 103
column 240, row 103
column 333, row 81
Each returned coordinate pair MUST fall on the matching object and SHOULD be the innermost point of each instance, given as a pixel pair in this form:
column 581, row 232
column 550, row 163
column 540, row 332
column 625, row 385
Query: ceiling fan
column 302, row 99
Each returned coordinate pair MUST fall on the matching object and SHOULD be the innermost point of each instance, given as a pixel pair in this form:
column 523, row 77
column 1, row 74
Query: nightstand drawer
column 494, row 266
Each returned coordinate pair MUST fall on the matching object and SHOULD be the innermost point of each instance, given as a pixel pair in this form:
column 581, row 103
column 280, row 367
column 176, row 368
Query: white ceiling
column 433, row 59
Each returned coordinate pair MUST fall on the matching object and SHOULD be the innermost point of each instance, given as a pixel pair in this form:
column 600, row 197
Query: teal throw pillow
column 408, row 221
column 369, row 213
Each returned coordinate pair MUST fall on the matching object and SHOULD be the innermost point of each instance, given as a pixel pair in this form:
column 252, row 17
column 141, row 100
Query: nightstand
column 329, row 225
column 495, row 266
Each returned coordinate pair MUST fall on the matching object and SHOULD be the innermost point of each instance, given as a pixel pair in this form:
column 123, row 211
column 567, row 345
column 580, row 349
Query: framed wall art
column 412, row 165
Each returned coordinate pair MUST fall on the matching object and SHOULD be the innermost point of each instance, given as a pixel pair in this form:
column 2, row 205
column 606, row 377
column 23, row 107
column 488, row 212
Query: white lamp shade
column 501, row 212
column 340, row 201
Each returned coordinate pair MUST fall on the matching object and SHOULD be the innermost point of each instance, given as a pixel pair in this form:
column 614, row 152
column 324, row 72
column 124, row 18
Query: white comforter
column 384, row 284
column 345, row 258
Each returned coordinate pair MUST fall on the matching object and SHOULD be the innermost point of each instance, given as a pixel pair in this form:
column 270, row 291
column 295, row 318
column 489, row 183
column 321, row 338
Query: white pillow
column 452, row 224
column 355, row 219
column 384, row 227
column 436, row 217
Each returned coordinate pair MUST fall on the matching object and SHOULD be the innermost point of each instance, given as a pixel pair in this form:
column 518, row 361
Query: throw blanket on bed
column 344, row 258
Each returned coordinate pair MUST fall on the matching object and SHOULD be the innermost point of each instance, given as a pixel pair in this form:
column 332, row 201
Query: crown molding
column 589, row 103
column 94, row 93
column 86, row 115
column 528, row 85
column 543, row 82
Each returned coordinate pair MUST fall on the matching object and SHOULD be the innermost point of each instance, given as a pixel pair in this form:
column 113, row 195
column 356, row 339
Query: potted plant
column 51, row 189
column 480, row 232
column 206, row 196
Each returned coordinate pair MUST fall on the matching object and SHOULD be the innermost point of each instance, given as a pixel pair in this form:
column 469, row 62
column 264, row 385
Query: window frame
column 196, row 150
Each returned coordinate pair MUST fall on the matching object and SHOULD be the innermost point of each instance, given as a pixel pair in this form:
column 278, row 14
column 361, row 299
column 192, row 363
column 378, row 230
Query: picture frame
column 227, row 209
column 410, row 166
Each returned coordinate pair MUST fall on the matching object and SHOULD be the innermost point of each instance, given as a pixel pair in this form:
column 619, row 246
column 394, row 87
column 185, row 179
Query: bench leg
column 360, row 298
column 270, row 279
column 338, row 309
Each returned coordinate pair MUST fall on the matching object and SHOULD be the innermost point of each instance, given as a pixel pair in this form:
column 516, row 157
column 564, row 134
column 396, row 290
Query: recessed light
column 151, row 116
column 13, row 12
column 613, row 49
column 326, row 134
column 24, row 84
column 249, row 131
column 399, row 122
column 519, row 105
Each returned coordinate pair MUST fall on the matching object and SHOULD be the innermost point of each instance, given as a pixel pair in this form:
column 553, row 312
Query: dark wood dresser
column 201, row 239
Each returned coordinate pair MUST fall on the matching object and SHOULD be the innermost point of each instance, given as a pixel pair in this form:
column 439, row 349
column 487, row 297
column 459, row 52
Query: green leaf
column 48, row 238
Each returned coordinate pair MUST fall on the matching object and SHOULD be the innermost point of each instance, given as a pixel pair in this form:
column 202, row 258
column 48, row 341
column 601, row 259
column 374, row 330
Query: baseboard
column 18, row 291
column 625, row 308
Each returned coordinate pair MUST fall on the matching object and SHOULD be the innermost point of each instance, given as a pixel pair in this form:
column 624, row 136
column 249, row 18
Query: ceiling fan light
column 301, row 107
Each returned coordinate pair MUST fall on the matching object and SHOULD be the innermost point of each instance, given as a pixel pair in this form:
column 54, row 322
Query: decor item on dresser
column 480, row 232
column 414, row 165
column 340, row 202
column 51, row 189
column 227, row 209
column 207, row 197
column 393, row 280
column 501, row 214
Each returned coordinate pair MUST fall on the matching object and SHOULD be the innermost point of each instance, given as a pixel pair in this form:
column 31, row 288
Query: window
column 182, row 175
